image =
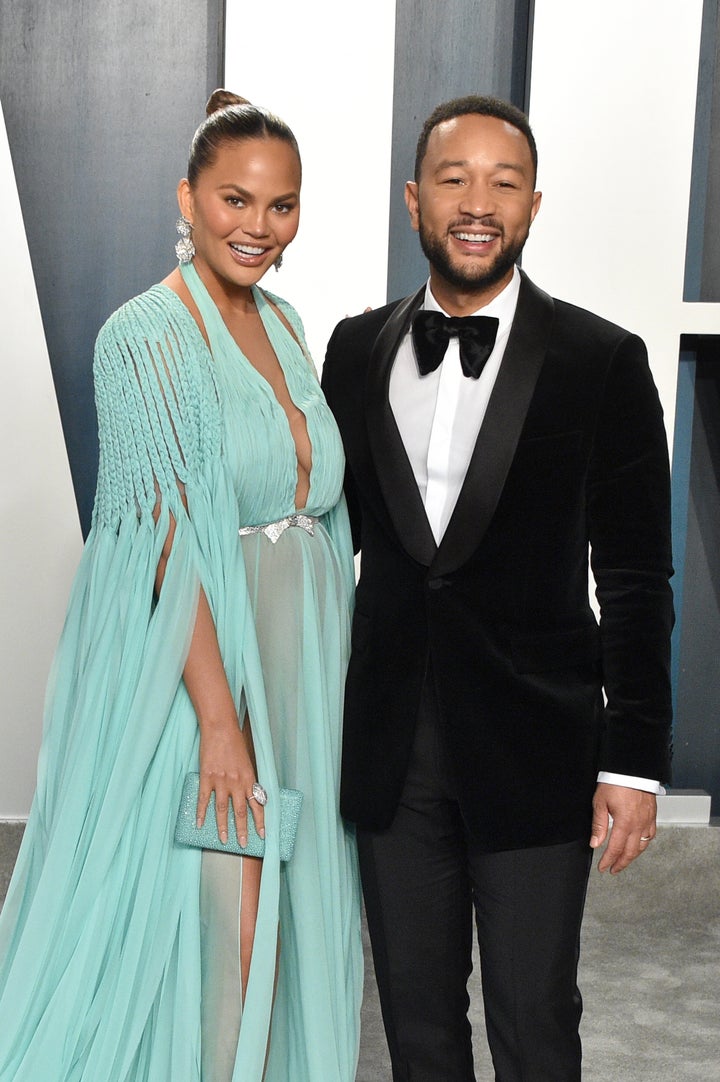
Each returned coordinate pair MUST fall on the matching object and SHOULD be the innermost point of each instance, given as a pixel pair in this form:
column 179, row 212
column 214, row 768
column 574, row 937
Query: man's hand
column 633, row 812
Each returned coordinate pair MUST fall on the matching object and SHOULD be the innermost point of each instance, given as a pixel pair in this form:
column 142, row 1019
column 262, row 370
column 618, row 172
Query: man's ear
column 412, row 204
column 537, row 199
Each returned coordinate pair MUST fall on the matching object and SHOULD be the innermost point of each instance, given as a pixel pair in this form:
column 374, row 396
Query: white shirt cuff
column 630, row 782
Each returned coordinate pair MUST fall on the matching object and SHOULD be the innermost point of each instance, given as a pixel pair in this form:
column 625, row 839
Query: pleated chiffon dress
column 113, row 965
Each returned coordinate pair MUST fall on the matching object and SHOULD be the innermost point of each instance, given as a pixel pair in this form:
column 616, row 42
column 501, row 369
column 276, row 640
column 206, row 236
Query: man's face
column 473, row 206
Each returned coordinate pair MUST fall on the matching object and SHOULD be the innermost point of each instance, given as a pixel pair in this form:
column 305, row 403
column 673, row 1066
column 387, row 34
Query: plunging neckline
column 213, row 315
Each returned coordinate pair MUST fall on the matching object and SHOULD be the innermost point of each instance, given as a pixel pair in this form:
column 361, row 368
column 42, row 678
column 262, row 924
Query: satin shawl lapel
column 500, row 431
column 394, row 472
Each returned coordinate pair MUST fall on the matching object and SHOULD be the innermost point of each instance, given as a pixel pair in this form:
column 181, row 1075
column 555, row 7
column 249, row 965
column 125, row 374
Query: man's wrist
column 647, row 785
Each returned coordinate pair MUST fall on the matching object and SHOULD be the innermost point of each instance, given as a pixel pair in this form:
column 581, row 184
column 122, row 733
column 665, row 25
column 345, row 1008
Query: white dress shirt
column 439, row 417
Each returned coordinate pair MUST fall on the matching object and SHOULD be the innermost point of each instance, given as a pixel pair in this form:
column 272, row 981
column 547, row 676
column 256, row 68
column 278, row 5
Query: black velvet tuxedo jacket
column 572, row 453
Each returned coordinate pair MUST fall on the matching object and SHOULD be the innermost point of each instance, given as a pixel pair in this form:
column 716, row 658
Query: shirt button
column 437, row 584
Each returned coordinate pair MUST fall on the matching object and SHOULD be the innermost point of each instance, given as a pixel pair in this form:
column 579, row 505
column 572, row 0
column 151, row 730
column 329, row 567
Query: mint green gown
column 110, row 970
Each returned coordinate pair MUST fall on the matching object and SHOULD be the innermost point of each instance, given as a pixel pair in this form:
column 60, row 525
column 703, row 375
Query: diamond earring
column 278, row 262
column 184, row 249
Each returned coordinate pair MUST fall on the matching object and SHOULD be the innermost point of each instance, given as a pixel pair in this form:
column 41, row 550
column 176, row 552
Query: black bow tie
column 431, row 332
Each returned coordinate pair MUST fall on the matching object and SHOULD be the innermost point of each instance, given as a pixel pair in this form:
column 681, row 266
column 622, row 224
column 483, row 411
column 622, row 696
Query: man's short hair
column 481, row 106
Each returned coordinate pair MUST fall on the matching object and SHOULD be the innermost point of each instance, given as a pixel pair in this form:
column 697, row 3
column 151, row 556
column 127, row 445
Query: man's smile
column 475, row 238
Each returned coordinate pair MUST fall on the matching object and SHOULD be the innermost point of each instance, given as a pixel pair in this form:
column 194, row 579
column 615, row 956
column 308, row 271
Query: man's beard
column 468, row 279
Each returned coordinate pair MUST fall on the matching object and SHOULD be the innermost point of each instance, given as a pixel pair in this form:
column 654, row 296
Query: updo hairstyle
column 229, row 118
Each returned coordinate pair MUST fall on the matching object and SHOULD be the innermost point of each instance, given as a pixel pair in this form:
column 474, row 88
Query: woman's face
column 244, row 209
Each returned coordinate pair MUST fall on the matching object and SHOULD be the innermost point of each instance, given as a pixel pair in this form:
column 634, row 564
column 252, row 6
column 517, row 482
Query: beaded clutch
column 206, row 836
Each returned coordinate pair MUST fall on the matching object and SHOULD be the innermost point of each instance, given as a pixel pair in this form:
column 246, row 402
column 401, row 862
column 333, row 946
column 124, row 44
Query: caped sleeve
column 157, row 405
column 120, row 730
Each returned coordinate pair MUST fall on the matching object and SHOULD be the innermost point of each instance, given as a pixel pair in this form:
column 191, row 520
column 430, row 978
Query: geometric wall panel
column 100, row 100
column 696, row 522
column 702, row 266
column 40, row 538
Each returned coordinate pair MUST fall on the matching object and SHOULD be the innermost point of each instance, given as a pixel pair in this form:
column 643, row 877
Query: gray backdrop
column 100, row 101
column 702, row 266
column 697, row 714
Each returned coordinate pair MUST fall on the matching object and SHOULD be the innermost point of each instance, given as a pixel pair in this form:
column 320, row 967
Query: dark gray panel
column 702, row 263
column 100, row 99
column 697, row 725
column 443, row 51
column 710, row 285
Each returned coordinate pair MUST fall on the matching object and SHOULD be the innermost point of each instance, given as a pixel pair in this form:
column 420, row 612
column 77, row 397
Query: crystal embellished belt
column 273, row 530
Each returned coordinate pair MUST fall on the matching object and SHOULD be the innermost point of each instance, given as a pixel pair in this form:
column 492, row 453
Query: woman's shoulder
column 155, row 390
column 154, row 332
column 149, row 315
column 153, row 346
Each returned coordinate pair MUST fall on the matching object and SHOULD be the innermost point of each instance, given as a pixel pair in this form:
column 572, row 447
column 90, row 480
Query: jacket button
column 437, row 584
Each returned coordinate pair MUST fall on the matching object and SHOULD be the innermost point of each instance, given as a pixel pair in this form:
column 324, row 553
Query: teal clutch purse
column 206, row 836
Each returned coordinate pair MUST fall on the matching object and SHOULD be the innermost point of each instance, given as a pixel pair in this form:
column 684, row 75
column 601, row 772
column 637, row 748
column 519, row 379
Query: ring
column 259, row 794
column 648, row 839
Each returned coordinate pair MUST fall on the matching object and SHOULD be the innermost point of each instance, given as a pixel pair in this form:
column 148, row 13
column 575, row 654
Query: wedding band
column 259, row 794
column 648, row 839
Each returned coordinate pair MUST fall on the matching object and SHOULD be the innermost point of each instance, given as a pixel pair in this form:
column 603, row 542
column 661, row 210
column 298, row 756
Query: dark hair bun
column 221, row 99
column 232, row 118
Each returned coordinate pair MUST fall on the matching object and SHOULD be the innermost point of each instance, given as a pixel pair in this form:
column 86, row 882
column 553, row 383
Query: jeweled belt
column 273, row 530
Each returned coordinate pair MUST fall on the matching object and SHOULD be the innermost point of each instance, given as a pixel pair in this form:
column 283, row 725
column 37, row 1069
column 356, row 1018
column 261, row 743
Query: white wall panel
column 612, row 104
column 327, row 69
column 39, row 529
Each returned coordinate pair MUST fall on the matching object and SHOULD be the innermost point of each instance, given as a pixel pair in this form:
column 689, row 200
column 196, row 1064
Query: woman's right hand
column 228, row 770
column 227, row 758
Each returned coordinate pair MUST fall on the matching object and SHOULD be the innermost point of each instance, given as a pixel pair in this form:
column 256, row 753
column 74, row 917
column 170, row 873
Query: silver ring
column 259, row 794
column 648, row 839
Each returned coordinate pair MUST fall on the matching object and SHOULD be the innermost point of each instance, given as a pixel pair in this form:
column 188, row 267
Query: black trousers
column 421, row 880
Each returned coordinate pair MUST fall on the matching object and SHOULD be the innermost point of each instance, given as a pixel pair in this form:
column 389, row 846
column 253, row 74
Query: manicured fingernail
column 261, row 832
column 223, row 836
column 243, row 841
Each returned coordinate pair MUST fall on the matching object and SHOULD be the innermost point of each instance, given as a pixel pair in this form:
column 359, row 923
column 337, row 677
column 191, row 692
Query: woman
column 195, row 634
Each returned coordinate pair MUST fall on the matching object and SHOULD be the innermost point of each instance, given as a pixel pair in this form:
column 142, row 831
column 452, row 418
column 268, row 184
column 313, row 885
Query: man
column 483, row 461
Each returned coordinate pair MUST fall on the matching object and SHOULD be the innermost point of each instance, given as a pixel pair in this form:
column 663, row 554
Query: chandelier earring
column 278, row 262
column 184, row 249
